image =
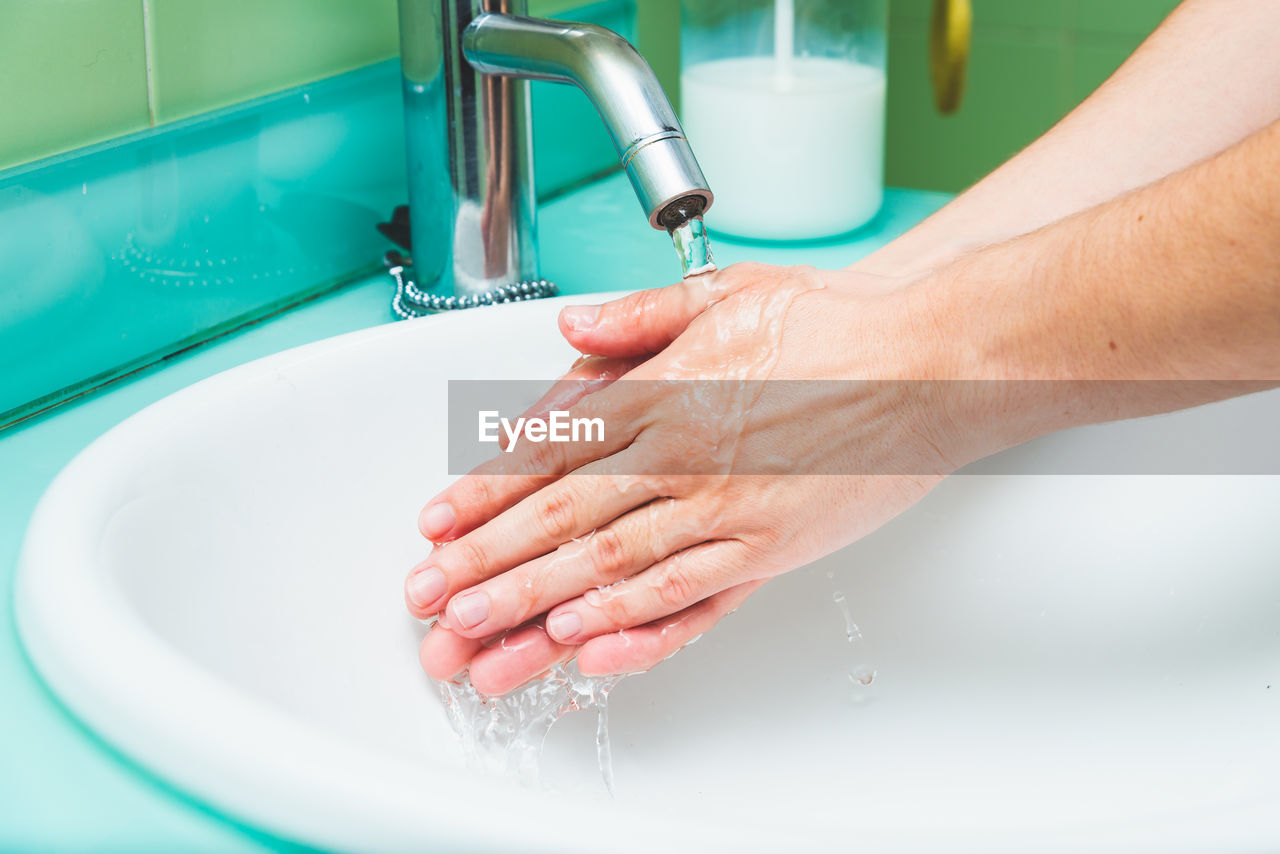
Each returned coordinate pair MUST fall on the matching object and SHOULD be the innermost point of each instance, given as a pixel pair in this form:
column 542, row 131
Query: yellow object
column 950, row 33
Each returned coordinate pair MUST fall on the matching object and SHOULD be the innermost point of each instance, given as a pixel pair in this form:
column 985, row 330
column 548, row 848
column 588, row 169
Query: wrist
column 1001, row 367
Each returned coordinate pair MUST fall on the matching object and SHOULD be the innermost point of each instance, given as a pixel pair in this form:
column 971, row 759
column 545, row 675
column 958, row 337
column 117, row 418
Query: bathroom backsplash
column 118, row 254
column 79, row 73
column 178, row 168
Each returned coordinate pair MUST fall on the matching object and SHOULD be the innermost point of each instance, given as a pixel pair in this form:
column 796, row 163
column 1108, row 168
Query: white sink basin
column 1065, row 662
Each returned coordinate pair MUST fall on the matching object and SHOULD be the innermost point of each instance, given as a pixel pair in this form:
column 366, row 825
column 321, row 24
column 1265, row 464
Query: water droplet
column 863, row 675
column 860, row 673
column 851, row 631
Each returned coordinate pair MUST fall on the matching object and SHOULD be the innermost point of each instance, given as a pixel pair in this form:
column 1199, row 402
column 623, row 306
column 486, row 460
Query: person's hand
column 710, row 480
column 508, row 659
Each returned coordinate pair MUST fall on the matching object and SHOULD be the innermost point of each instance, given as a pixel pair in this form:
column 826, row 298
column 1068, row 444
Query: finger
column 424, row 590
column 639, row 649
column 439, row 521
column 631, row 543
column 519, row 656
column 639, row 324
column 569, row 508
column 672, row 584
column 588, row 375
column 445, row 654
column 498, row 484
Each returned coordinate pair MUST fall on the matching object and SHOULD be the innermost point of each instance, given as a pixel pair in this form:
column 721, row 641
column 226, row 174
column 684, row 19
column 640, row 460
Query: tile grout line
column 147, row 55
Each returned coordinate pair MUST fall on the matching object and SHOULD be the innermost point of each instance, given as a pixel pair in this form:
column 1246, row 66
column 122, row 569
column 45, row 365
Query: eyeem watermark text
column 558, row 426
column 1130, row 448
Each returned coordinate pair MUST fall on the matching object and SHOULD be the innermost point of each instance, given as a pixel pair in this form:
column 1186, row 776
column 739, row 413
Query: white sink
column 1065, row 662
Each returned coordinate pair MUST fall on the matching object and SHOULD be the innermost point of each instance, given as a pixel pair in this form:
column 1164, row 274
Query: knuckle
column 648, row 301
column 555, row 513
column 621, row 312
column 482, row 492
column 470, row 556
column 664, row 484
column 541, row 459
column 607, row 554
column 522, row 590
column 475, row 491
column 675, row 586
column 619, row 612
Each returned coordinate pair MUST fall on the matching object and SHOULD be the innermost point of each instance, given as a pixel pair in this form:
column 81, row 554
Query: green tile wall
column 207, row 54
column 658, row 38
column 76, row 71
column 1031, row 62
column 72, row 72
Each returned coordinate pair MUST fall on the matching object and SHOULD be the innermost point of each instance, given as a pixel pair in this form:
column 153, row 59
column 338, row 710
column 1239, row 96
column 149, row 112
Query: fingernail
column 470, row 610
column 437, row 520
column 425, row 587
column 564, row 626
column 579, row 317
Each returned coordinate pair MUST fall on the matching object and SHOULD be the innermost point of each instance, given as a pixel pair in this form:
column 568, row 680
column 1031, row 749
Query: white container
column 784, row 105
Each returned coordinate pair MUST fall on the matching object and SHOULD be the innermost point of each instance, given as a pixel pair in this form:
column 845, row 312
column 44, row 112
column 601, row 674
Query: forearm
column 1206, row 79
column 1177, row 281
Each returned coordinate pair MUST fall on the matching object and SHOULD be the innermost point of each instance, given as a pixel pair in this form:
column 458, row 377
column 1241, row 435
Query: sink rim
column 75, row 624
column 63, row 617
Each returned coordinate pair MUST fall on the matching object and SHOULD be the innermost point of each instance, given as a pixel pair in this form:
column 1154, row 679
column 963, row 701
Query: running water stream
column 690, row 241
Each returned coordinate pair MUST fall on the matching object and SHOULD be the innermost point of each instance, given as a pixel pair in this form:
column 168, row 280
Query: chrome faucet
column 472, row 212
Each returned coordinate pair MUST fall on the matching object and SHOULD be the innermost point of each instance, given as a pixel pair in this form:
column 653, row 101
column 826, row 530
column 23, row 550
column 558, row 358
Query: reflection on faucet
column 466, row 64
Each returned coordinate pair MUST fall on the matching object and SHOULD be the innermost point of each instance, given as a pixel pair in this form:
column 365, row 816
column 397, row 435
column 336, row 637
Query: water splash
column 690, row 241
column 504, row 735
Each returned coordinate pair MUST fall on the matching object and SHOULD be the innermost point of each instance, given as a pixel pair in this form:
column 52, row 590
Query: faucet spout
column 635, row 110
column 466, row 66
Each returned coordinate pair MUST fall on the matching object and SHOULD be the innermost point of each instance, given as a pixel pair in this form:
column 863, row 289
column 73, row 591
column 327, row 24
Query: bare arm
column 1179, row 280
column 1207, row 78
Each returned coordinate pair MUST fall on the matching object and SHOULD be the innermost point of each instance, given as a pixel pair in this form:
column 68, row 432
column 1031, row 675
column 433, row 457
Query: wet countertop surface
column 61, row 789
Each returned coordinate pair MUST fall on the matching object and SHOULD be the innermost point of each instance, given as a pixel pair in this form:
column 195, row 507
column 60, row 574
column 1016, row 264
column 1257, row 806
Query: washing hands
column 760, row 417
column 738, row 445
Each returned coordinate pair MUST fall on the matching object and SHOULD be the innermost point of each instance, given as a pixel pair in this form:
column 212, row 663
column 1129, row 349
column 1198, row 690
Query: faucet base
column 411, row 302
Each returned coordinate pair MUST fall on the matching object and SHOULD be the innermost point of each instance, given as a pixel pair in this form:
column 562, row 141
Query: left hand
column 691, row 502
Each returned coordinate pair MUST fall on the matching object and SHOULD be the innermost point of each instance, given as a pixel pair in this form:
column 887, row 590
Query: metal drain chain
column 410, row 302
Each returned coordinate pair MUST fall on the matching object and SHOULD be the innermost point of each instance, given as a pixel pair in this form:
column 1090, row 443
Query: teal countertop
column 61, row 789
